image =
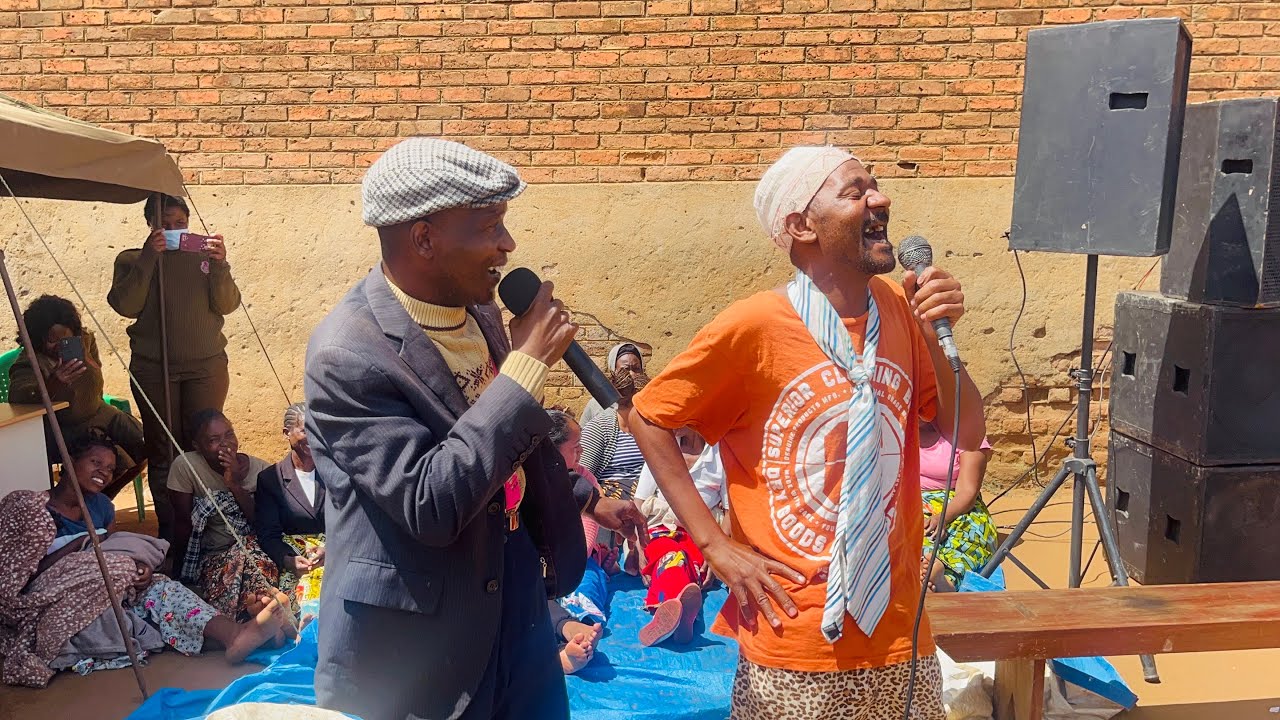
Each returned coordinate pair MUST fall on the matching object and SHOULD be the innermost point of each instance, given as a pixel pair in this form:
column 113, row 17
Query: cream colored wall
column 653, row 261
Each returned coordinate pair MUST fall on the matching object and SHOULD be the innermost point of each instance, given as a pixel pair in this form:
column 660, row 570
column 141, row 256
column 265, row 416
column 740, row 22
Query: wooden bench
column 1020, row 630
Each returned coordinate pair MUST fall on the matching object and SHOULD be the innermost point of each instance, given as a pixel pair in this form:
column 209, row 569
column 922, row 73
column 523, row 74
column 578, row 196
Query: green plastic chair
column 8, row 359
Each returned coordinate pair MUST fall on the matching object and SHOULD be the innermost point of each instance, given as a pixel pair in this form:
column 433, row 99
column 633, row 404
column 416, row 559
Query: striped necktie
column 858, row 578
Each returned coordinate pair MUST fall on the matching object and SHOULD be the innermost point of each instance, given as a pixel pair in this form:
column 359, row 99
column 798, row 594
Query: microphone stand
column 1084, row 471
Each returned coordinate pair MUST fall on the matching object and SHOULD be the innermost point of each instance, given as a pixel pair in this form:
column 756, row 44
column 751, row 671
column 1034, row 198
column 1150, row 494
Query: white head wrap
column 788, row 186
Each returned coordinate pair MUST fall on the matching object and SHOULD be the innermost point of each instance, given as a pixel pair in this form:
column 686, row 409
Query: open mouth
column 875, row 232
column 495, row 271
column 98, row 480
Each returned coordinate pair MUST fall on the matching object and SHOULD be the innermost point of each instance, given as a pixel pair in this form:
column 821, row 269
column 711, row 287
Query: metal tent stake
column 68, row 470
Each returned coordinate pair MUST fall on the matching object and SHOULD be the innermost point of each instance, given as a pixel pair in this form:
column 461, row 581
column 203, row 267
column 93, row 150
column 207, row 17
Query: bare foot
column 690, row 608
column 938, row 579
column 278, row 606
column 252, row 635
column 573, row 629
column 576, row 654
column 666, row 618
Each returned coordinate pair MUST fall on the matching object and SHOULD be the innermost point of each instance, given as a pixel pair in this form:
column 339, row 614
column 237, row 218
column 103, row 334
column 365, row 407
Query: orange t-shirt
column 756, row 382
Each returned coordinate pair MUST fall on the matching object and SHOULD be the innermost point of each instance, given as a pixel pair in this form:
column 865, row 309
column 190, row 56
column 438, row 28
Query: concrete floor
column 1196, row 686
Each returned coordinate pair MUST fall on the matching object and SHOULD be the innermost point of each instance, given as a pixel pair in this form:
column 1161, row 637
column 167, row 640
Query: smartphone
column 192, row 242
column 71, row 348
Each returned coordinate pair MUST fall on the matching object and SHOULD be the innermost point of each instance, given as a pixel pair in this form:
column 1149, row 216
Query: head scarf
column 624, row 349
column 788, row 186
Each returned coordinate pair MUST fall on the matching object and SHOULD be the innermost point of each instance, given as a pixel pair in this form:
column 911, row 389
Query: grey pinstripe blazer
column 414, row 476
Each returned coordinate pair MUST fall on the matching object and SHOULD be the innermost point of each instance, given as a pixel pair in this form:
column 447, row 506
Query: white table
column 22, row 448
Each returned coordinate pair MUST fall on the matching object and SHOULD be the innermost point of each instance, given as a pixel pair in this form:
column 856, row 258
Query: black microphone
column 517, row 291
column 915, row 254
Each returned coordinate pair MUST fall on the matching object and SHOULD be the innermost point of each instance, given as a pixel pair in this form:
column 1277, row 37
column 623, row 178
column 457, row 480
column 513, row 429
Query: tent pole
column 68, row 471
column 164, row 341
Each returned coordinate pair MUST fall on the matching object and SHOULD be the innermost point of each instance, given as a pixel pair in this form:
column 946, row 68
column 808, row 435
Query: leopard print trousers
column 765, row 693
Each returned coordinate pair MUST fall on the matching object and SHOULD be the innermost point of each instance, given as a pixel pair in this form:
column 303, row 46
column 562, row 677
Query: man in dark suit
column 290, row 499
column 450, row 522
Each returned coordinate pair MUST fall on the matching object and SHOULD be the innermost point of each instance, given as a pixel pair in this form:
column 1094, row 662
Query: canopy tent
column 47, row 155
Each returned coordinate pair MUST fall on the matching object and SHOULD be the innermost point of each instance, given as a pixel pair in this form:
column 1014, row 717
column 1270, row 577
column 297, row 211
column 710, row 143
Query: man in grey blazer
column 449, row 521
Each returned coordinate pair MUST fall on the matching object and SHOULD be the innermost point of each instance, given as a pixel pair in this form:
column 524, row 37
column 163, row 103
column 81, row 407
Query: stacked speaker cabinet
column 1194, row 473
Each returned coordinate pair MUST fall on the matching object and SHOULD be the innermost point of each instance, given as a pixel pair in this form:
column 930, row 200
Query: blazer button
column 494, row 508
column 491, row 587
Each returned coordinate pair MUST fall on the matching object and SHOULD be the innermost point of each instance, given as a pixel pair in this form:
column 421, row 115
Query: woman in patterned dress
column 49, row 595
column 971, row 533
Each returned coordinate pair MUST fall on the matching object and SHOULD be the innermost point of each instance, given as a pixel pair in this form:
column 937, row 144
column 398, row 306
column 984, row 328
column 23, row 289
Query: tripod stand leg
column 1027, row 571
column 1111, row 546
column 1045, row 496
column 1077, row 528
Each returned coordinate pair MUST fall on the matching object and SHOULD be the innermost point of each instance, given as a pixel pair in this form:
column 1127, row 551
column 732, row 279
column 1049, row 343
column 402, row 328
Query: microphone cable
column 938, row 539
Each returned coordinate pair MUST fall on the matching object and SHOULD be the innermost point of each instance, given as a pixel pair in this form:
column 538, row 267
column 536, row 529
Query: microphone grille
column 518, row 289
column 914, row 252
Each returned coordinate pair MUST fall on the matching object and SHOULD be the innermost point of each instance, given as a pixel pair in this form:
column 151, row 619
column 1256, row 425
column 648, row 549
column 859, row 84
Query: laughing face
column 851, row 218
column 94, row 469
column 468, row 248
column 216, row 440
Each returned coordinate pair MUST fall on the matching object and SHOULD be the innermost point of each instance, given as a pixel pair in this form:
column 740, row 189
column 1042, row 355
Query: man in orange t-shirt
column 768, row 381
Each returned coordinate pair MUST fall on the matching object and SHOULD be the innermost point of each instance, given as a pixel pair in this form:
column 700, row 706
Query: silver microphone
column 915, row 254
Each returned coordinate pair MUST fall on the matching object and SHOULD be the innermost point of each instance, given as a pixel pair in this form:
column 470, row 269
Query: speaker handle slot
column 1128, row 101
column 1237, row 167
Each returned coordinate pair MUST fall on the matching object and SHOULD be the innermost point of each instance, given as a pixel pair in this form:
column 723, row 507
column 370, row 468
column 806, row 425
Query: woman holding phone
column 198, row 292
column 72, row 370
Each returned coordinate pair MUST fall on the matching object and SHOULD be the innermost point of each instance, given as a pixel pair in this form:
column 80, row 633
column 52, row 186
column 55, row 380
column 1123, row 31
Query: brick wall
column 308, row 91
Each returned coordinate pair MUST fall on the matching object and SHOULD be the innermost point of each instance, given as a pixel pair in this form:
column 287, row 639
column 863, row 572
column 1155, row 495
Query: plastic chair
column 6, row 361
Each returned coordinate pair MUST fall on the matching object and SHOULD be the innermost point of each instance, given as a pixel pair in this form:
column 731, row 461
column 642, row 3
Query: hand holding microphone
column 545, row 329
column 934, row 295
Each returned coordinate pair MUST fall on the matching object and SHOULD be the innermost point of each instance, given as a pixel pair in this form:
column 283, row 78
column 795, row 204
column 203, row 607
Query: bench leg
column 1019, row 692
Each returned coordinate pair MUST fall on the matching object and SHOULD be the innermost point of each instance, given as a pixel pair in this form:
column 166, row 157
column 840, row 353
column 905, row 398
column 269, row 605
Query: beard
column 871, row 262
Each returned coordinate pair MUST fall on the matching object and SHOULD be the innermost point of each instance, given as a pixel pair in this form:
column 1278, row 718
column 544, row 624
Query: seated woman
column 289, row 510
column 49, row 320
column 215, row 480
column 971, row 534
column 49, row 596
column 623, row 356
column 609, row 449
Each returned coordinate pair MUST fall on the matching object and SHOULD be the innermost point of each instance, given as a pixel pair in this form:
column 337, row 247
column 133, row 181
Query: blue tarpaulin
column 690, row 682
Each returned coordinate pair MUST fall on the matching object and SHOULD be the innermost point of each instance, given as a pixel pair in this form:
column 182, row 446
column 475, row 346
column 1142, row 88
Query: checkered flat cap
column 420, row 176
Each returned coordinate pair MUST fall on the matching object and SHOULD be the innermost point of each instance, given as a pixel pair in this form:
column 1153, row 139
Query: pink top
column 590, row 528
column 933, row 463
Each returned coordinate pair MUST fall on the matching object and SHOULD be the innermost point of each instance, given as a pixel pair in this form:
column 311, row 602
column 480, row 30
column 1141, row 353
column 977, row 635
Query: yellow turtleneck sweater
column 458, row 337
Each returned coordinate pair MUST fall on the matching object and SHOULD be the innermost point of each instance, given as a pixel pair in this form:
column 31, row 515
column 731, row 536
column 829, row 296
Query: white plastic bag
column 966, row 688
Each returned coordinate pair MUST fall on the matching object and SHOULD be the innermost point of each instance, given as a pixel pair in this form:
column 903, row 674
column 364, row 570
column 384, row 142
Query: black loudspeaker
column 1183, row 523
column 1099, row 137
column 1226, row 231
column 1198, row 381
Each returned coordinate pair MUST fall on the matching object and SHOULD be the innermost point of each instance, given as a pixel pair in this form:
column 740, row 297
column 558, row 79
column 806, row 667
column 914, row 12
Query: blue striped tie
column 858, row 579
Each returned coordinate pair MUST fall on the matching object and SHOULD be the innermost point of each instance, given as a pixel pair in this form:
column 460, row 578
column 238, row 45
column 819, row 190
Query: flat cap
column 420, row 176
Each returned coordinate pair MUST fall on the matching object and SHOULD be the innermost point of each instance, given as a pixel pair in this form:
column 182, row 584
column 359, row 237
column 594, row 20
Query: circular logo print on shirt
column 803, row 456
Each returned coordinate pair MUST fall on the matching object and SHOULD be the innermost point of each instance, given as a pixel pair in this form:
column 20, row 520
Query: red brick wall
column 308, row 91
